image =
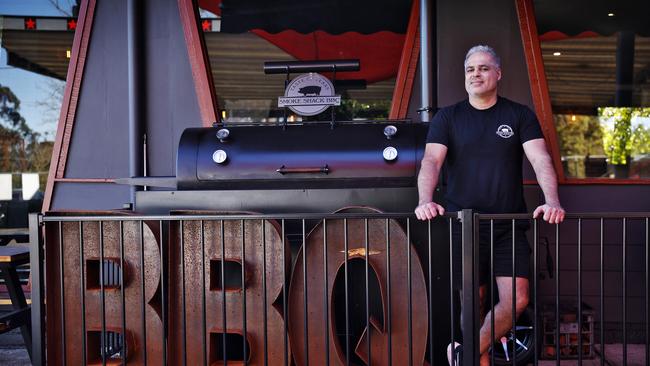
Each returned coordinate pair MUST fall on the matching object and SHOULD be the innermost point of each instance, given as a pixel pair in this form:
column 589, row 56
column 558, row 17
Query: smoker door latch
column 284, row 170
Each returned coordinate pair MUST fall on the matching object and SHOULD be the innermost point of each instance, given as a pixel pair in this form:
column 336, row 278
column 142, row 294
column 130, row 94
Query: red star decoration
column 72, row 24
column 206, row 25
column 30, row 23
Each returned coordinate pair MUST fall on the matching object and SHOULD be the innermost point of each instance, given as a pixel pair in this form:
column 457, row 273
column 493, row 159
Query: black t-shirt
column 484, row 154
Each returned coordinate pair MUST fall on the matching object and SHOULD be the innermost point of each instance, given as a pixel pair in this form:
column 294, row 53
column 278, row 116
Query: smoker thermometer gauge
column 390, row 153
column 219, row 156
column 390, row 131
column 223, row 134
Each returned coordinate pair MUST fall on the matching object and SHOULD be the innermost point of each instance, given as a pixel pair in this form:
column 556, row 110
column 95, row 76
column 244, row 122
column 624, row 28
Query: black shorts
column 502, row 252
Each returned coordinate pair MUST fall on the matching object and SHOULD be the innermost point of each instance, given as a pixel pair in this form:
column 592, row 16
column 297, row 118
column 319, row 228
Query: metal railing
column 320, row 289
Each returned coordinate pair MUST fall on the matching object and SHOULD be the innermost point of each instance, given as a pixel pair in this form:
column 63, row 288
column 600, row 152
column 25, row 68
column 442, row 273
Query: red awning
column 379, row 52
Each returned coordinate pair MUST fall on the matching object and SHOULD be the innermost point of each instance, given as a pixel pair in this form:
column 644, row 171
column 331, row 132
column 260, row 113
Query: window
column 597, row 68
column 241, row 35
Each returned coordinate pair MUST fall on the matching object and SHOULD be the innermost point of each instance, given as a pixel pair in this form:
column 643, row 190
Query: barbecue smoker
column 305, row 167
column 311, row 167
column 280, row 289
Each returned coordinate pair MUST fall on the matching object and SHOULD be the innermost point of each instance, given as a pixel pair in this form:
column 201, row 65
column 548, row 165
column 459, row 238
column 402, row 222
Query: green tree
column 579, row 136
column 20, row 149
column 617, row 140
column 640, row 140
column 621, row 141
column 10, row 118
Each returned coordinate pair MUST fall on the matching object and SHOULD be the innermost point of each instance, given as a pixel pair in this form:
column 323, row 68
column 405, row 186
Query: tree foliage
column 20, row 148
column 621, row 141
column 579, row 136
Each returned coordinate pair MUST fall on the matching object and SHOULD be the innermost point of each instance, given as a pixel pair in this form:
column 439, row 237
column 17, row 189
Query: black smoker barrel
column 306, row 156
column 310, row 167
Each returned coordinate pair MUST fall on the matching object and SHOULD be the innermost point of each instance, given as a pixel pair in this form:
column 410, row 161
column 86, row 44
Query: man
column 483, row 138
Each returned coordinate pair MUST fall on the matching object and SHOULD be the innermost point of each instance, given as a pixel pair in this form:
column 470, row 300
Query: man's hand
column 553, row 214
column 429, row 210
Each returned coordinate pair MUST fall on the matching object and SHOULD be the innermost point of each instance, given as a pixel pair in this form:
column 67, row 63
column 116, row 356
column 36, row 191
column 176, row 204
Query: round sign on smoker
column 309, row 85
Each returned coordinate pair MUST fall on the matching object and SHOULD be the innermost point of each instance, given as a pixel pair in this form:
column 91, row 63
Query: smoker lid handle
column 284, row 170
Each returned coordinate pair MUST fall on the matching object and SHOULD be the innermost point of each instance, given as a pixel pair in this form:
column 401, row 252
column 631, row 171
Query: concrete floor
column 12, row 349
column 14, row 357
column 13, row 353
column 613, row 356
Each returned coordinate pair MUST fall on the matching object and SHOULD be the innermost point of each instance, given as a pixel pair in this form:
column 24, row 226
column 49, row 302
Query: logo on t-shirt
column 505, row 131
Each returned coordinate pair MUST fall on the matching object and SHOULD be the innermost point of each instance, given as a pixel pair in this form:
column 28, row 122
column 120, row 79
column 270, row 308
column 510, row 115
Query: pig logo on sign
column 310, row 90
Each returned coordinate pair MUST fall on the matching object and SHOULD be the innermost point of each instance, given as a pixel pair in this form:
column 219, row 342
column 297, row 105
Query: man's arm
column 542, row 164
column 434, row 156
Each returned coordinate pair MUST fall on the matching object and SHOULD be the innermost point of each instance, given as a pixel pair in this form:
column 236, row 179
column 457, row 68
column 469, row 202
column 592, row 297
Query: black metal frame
column 470, row 233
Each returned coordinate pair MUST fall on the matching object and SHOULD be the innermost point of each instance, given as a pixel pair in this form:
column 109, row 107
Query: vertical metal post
column 514, row 296
column 102, row 276
column 38, row 306
column 492, row 287
column 223, row 295
column 82, row 292
column 325, row 295
column 122, row 295
column 602, row 295
column 410, row 289
column 204, row 330
column 62, row 288
column 624, row 68
column 452, row 309
column 243, row 290
column 163, row 289
column 579, row 291
column 624, row 293
column 135, row 62
column 535, row 277
column 304, row 279
column 470, row 308
column 425, row 58
column 430, row 262
column 183, row 305
column 142, row 291
column 388, row 295
column 367, row 292
column 647, row 295
column 557, row 294
column 264, row 290
column 347, row 308
column 284, row 294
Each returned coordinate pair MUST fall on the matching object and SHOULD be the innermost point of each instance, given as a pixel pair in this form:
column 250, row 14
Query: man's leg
column 503, row 312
